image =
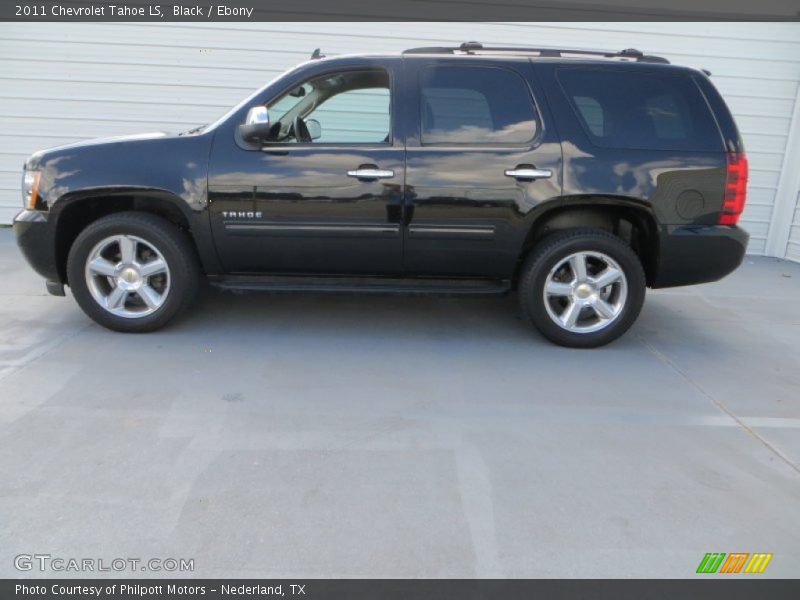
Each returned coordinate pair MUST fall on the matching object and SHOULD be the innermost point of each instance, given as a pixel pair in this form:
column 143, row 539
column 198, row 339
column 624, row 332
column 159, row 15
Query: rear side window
column 621, row 109
column 475, row 105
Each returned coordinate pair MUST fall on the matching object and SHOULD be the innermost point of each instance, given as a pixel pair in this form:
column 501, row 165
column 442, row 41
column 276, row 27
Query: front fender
column 150, row 169
column 176, row 164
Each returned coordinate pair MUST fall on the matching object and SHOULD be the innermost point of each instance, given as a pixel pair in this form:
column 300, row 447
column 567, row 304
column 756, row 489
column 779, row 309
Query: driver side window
column 351, row 107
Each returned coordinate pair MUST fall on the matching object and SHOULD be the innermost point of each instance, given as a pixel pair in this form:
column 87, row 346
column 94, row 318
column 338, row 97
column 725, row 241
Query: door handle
column 528, row 173
column 371, row 173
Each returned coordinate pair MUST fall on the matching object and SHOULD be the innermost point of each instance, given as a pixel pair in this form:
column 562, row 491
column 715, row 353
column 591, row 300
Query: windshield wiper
column 195, row 130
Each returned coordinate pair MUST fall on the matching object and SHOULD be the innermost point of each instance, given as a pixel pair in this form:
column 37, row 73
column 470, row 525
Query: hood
column 35, row 160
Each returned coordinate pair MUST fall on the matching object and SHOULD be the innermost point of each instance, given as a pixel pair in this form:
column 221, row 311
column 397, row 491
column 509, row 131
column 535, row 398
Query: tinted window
column 592, row 114
column 475, row 105
column 619, row 109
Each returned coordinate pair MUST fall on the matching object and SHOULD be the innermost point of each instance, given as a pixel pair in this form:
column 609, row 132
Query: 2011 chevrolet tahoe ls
column 577, row 178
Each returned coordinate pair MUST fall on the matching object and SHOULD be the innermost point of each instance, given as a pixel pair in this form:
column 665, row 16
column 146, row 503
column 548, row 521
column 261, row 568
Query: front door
column 323, row 195
column 479, row 160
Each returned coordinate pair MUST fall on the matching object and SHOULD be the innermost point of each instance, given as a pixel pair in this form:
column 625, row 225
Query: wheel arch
column 73, row 212
column 627, row 218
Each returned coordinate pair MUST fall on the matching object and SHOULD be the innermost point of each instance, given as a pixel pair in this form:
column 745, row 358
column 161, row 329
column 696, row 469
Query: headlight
column 30, row 189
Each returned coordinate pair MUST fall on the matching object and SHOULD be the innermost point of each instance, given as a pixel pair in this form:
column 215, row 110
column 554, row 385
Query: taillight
column 735, row 189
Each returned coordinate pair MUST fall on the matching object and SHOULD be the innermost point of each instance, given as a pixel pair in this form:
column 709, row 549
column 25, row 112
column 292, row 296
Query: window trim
column 530, row 143
column 286, row 146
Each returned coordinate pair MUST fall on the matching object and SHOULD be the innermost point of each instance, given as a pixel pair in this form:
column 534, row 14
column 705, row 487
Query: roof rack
column 478, row 48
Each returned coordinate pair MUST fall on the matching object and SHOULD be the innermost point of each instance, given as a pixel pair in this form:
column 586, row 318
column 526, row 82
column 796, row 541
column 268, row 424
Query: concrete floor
column 403, row 437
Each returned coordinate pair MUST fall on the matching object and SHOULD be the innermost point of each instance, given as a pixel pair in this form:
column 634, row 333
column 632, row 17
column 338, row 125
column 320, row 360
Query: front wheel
column 132, row 271
column 582, row 288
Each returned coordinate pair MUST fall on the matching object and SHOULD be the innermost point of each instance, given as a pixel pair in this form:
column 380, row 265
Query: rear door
column 479, row 159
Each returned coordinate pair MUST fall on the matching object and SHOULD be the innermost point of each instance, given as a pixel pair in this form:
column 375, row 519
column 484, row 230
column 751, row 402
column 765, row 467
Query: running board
column 362, row 285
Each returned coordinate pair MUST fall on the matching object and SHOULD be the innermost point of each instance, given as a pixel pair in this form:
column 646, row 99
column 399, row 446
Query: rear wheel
column 132, row 271
column 582, row 288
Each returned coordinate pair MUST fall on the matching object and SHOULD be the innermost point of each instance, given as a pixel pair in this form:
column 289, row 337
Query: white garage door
column 65, row 82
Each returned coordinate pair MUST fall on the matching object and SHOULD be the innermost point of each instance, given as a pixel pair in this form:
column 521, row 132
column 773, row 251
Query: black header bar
column 400, row 10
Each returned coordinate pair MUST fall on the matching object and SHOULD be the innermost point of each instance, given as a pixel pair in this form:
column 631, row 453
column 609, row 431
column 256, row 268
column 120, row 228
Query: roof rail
column 478, row 48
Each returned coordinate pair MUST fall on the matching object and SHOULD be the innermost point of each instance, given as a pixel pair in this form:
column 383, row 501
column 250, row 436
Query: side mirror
column 255, row 129
column 314, row 129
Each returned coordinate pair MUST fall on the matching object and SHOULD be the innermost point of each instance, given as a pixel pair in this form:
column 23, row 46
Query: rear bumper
column 698, row 254
column 37, row 243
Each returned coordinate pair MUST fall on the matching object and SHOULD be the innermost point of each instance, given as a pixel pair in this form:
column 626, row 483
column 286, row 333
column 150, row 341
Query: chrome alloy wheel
column 585, row 292
column 127, row 276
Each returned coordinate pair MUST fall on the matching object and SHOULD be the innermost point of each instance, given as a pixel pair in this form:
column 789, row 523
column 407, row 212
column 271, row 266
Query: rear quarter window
column 648, row 111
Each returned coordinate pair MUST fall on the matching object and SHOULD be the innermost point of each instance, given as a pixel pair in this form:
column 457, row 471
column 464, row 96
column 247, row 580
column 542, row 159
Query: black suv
column 577, row 178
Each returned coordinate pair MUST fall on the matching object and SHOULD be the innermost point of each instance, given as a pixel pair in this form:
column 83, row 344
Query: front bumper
column 698, row 254
column 37, row 243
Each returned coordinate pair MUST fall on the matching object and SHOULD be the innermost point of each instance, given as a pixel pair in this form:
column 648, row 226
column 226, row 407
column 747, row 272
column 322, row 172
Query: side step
column 362, row 285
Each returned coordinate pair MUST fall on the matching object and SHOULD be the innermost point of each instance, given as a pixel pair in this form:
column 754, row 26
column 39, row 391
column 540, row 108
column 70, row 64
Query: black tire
column 553, row 250
column 173, row 244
